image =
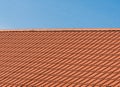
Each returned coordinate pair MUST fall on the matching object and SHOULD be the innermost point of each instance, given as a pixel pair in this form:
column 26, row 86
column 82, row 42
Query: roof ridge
column 63, row 29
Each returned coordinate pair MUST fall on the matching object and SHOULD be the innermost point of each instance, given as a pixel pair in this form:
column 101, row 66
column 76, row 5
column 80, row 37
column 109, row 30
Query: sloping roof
column 68, row 58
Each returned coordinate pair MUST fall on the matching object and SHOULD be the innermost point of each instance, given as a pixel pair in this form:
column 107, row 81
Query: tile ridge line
column 63, row 29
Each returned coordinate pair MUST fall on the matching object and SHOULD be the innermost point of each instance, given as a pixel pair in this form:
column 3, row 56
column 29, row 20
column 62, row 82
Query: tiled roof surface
column 82, row 58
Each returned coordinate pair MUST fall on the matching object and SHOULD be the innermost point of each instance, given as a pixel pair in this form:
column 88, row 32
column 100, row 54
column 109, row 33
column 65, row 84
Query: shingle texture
column 82, row 58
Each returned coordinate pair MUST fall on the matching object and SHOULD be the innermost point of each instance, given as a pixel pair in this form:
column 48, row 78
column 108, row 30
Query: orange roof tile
column 68, row 58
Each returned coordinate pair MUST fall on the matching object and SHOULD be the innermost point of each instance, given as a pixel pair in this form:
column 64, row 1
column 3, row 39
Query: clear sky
column 59, row 14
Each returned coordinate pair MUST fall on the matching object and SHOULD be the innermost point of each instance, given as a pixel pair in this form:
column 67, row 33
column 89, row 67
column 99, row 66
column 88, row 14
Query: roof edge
column 62, row 29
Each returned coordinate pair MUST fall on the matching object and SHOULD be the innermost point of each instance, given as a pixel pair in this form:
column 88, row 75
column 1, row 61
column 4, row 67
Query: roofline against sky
column 57, row 29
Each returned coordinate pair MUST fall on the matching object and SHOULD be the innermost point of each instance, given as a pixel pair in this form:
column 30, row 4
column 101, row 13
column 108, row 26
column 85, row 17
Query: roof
column 63, row 58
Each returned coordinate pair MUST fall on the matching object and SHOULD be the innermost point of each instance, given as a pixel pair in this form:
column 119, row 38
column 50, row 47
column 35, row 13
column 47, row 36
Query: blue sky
column 59, row 14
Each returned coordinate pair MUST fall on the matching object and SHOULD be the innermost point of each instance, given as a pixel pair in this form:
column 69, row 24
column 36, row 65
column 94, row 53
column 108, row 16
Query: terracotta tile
column 70, row 58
